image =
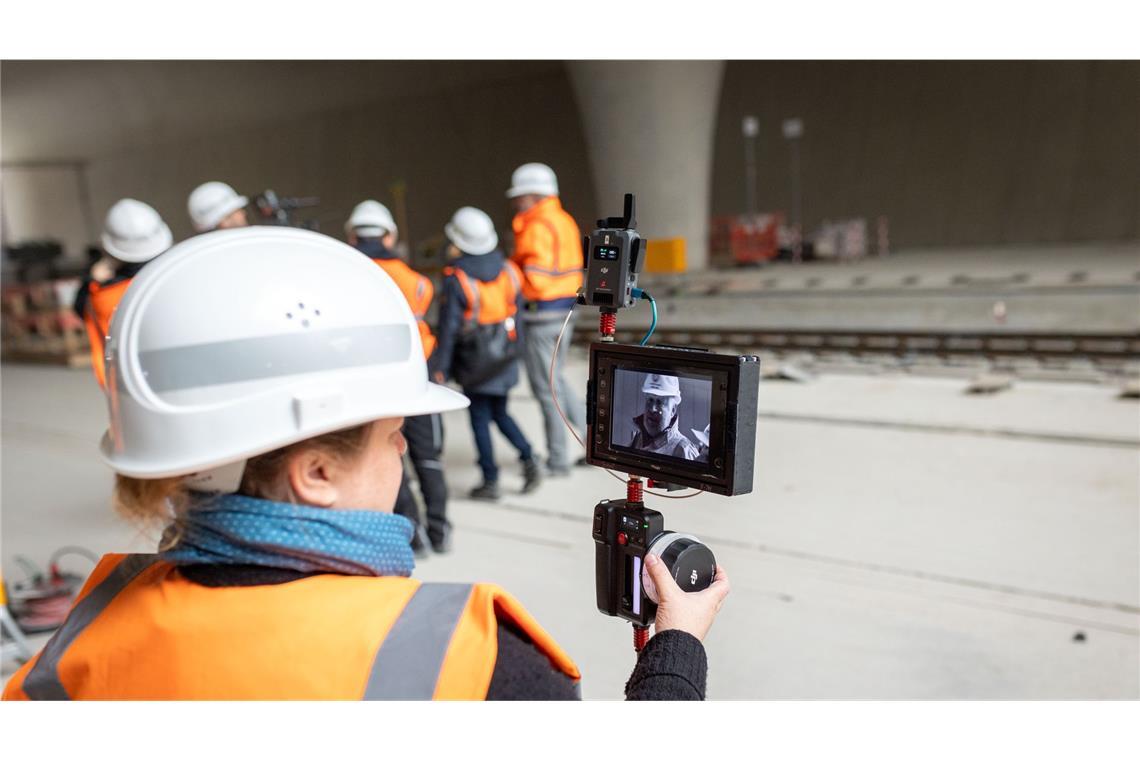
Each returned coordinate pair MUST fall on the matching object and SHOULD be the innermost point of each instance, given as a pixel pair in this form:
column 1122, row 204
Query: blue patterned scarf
column 232, row 529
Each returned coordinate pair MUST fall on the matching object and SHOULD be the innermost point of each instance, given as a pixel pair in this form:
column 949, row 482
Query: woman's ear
column 310, row 474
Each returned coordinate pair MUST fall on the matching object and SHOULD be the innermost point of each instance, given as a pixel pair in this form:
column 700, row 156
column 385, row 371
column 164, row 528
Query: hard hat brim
column 136, row 255
column 453, row 235
column 212, row 222
column 518, row 190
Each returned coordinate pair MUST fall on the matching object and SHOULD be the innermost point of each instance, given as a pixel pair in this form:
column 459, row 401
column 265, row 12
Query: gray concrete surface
column 896, row 545
column 1093, row 287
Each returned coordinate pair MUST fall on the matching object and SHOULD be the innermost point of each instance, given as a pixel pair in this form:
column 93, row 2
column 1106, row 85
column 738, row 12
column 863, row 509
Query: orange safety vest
column 101, row 304
column 418, row 291
column 140, row 630
column 489, row 303
column 548, row 249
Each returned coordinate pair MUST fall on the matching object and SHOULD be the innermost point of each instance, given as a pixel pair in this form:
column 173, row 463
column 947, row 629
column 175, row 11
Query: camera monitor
column 679, row 416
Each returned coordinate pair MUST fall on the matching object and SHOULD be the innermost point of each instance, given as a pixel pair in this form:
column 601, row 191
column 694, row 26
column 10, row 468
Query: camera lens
column 690, row 562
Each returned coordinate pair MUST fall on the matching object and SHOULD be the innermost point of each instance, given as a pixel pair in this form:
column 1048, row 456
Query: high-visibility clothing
column 418, row 291
column 140, row 630
column 489, row 303
column 101, row 303
column 548, row 249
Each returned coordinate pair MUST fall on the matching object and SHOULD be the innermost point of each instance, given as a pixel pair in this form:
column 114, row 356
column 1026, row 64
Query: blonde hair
column 166, row 501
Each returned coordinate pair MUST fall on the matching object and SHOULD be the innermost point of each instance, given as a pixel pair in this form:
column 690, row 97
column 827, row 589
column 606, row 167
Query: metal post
column 750, row 127
column 793, row 131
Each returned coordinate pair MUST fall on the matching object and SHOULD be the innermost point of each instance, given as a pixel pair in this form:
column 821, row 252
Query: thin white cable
column 573, row 432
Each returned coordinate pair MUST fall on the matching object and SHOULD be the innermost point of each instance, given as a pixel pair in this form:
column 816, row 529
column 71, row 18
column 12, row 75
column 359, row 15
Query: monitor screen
column 662, row 415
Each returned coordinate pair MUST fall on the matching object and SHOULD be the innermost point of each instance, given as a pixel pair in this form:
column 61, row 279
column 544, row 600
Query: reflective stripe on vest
column 43, row 680
column 501, row 293
column 408, row 664
column 142, row 630
column 549, row 250
column 417, row 290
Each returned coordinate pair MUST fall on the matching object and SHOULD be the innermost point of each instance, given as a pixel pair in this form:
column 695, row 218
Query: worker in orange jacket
column 133, row 234
column 548, row 250
column 372, row 231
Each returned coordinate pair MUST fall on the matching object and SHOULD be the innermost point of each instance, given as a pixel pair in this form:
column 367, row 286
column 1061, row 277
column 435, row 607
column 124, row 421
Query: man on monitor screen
column 657, row 429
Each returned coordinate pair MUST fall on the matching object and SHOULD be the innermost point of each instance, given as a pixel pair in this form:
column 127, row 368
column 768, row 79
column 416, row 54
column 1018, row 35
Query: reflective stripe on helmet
column 294, row 353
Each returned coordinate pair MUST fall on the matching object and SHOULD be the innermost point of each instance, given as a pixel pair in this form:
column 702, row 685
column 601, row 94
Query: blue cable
column 639, row 293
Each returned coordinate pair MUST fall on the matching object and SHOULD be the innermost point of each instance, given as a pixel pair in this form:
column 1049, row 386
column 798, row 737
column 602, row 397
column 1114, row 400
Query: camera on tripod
column 680, row 417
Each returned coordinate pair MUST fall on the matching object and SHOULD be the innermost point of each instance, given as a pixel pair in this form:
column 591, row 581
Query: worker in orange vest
column 548, row 250
column 133, row 234
column 254, row 436
column 481, row 340
column 372, row 231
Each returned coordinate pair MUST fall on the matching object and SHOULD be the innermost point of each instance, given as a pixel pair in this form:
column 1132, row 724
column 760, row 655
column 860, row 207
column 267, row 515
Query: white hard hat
column 240, row 342
column 662, row 385
column 212, row 202
column 370, row 219
column 472, row 231
column 533, row 179
column 134, row 232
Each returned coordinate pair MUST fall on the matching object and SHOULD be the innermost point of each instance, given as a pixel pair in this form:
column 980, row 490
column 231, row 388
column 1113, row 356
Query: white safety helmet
column 533, row 179
column 134, row 232
column 240, row 342
column 212, row 202
column 472, row 231
column 370, row 219
column 661, row 385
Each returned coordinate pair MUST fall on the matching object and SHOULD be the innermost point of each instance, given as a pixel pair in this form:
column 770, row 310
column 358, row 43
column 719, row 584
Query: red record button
column 623, row 539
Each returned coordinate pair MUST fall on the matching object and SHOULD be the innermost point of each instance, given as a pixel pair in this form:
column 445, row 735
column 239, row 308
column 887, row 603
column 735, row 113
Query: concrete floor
column 903, row 541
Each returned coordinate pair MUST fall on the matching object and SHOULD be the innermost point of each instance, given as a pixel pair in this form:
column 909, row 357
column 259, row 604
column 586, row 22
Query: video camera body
column 277, row 211
column 681, row 417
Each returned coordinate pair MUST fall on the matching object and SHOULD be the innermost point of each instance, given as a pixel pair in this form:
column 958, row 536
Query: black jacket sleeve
column 671, row 667
column 451, row 306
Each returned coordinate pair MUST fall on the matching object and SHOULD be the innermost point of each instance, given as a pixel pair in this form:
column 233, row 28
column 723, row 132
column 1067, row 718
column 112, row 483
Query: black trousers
column 425, row 445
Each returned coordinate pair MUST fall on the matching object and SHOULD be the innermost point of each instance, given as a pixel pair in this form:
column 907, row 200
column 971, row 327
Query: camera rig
column 651, row 445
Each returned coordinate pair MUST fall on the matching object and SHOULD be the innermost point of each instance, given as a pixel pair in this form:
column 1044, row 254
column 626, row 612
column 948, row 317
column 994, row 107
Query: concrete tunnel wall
column 954, row 153
column 451, row 149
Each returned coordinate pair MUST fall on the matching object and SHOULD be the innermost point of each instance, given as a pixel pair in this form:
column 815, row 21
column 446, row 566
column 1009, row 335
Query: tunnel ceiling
column 77, row 110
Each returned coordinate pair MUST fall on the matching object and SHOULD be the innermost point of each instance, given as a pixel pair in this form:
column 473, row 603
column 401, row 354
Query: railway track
column 1112, row 353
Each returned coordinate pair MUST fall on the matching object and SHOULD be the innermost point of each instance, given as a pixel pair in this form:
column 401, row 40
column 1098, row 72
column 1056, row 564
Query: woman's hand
column 690, row 612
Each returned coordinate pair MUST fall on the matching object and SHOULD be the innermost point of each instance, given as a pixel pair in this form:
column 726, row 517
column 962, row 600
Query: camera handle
column 633, row 499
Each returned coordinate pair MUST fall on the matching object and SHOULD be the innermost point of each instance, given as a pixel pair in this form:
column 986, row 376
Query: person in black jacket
column 482, row 287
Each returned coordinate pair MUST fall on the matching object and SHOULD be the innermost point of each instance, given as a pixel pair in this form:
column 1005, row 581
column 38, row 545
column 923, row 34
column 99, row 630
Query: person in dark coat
column 481, row 286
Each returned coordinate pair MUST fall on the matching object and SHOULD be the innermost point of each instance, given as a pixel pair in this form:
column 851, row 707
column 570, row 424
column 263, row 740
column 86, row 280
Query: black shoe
column 486, row 492
column 441, row 544
column 420, row 543
column 532, row 476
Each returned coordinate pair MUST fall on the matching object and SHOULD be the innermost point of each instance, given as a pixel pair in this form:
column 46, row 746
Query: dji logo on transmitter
column 693, row 578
